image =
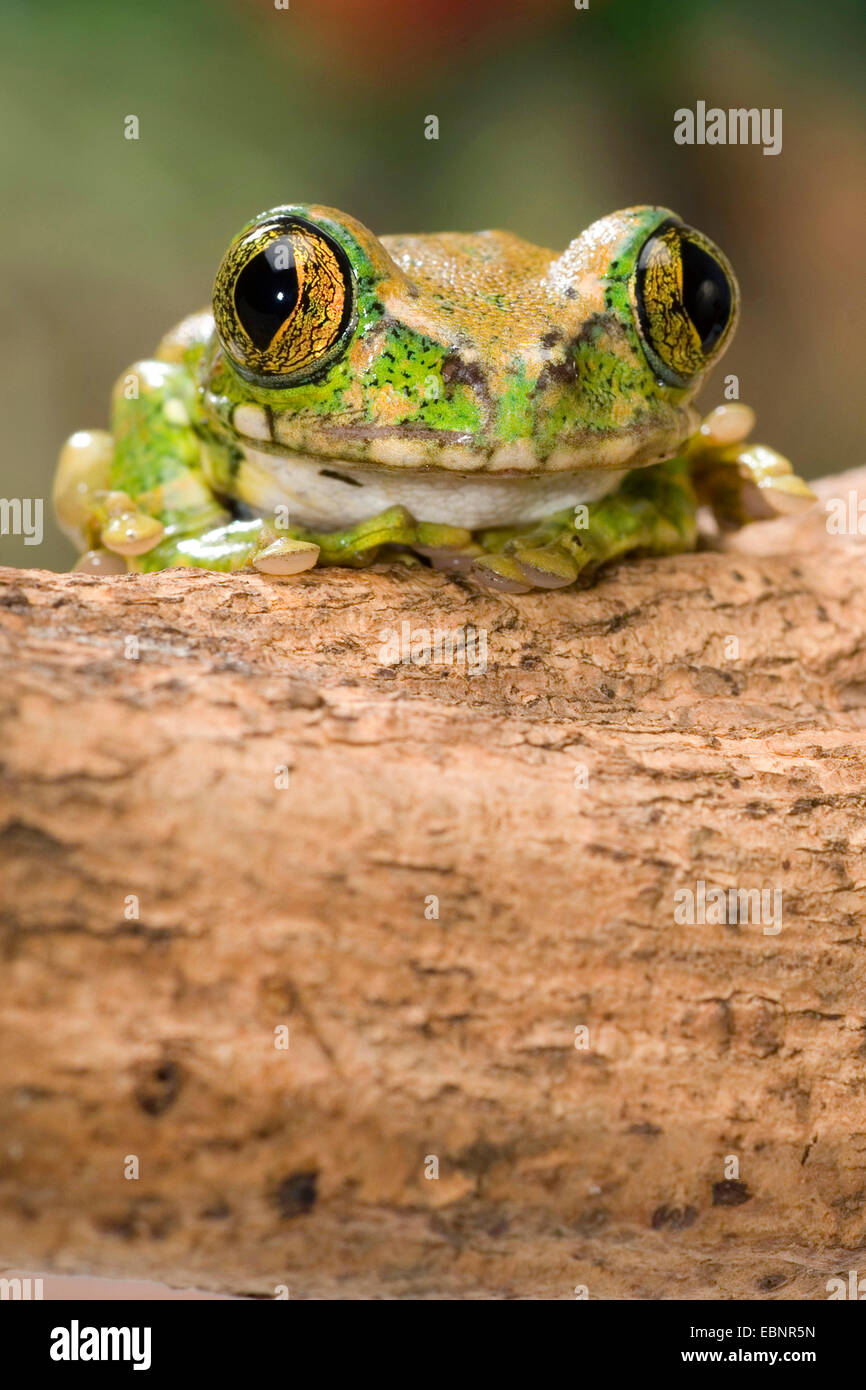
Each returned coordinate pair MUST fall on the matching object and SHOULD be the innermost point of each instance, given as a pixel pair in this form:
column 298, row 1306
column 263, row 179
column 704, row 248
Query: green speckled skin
column 464, row 357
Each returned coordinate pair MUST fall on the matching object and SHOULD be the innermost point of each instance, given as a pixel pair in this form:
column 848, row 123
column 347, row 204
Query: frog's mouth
column 648, row 439
column 348, row 473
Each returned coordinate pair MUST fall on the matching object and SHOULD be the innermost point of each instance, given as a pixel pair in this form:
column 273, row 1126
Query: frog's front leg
column 742, row 481
column 146, row 496
column 142, row 498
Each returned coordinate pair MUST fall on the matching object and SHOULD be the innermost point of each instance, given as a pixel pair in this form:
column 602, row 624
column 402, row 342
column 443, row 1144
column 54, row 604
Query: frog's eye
column 686, row 299
column 283, row 301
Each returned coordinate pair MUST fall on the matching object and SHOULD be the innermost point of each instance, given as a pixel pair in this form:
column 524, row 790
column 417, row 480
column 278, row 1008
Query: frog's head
column 475, row 353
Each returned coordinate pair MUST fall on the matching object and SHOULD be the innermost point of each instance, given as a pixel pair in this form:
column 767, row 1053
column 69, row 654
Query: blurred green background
column 549, row 117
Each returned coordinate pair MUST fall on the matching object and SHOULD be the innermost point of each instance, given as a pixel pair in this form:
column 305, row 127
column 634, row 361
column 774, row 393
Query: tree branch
column 173, row 900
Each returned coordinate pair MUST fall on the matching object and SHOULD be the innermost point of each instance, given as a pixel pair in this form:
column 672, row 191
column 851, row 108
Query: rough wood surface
column 308, row 905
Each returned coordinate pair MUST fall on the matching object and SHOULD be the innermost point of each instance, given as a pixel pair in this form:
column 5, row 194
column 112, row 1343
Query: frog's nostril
column 266, row 292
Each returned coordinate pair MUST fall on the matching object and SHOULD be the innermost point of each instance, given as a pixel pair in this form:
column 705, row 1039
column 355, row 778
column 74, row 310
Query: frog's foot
column 286, row 551
column 652, row 512
column 91, row 512
column 88, row 510
column 138, row 491
column 446, row 547
column 521, row 566
column 742, row 482
column 122, row 536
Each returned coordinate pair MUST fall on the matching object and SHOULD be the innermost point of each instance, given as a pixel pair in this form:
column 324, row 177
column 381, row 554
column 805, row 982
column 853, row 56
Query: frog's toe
column 750, row 482
column 500, row 574
column 762, row 497
column 83, row 472
column 545, row 567
column 449, row 548
column 100, row 562
column 129, row 531
column 451, row 561
column 787, row 494
column 727, row 424
column 286, row 556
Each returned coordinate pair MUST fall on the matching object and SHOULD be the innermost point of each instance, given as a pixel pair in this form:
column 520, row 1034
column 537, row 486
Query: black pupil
column 706, row 293
column 266, row 291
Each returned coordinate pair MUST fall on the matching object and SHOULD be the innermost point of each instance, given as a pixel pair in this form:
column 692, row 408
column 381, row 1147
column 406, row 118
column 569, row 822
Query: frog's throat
column 323, row 494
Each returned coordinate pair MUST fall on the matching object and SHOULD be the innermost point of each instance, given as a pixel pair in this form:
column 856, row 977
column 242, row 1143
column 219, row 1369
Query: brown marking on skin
column 340, row 477
column 456, row 371
column 564, row 370
column 563, row 373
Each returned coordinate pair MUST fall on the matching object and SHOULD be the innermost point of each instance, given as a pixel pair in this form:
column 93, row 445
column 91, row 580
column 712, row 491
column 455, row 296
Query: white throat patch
column 327, row 495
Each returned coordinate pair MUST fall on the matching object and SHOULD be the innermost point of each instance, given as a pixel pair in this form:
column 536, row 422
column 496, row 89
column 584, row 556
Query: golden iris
column 282, row 300
column 686, row 300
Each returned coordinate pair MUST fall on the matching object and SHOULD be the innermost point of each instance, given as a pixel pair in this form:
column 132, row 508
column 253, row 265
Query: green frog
column 500, row 410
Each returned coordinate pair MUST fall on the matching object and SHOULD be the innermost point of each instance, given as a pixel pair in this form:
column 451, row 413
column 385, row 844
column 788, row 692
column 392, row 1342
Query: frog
column 515, row 416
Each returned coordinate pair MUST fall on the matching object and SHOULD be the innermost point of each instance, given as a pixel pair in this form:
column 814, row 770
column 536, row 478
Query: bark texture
column 694, row 719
